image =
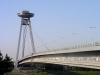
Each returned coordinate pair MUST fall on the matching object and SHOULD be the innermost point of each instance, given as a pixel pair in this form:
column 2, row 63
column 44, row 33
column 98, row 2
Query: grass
column 55, row 73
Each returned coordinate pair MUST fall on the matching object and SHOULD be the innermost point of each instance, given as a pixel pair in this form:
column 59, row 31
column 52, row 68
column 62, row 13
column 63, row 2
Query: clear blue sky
column 53, row 19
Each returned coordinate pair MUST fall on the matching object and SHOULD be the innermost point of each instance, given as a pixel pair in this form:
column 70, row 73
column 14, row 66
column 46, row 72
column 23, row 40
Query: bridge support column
column 25, row 22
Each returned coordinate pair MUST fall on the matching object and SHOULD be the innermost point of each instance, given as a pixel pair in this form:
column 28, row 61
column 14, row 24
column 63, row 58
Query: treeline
column 6, row 64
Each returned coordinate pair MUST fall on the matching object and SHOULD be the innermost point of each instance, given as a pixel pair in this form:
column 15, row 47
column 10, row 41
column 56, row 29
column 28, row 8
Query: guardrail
column 72, row 47
column 75, row 47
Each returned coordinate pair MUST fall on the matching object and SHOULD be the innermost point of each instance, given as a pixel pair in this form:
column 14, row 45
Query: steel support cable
column 40, row 40
column 24, row 39
column 31, row 37
column 28, row 42
column 29, row 50
column 32, row 41
column 36, row 35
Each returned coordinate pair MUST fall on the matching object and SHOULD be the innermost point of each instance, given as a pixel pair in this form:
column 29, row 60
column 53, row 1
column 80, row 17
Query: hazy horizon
column 54, row 21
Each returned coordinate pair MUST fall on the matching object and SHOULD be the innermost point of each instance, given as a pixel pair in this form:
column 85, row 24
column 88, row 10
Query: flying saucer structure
column 25, row 23
column 25, row 14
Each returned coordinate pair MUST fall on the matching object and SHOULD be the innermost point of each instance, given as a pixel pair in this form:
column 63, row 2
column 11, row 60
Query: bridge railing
column 72, row 47
column 81, row 46
column 76, row 47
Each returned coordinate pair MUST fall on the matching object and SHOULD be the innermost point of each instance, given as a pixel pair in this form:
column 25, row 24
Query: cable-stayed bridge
column 86, row 55
column 82, row 56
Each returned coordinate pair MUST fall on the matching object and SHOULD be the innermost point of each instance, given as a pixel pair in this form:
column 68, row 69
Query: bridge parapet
column 75, row 47
column 83, row 45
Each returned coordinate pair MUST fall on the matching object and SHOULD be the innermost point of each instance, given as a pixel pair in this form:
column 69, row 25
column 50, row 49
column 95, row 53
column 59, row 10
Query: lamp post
column 47, row 44
column 54, row 44
column 62, row 41
column 92, row 33
column 74, row 37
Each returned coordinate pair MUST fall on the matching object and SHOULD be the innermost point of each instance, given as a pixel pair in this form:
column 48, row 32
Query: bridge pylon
column 25, row 22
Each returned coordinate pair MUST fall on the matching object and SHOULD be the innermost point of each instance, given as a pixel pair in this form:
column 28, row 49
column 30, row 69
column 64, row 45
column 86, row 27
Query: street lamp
column 62, row 41
column 47, row 44
column 55, row 44
column 92, row 32
column 74, row 37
